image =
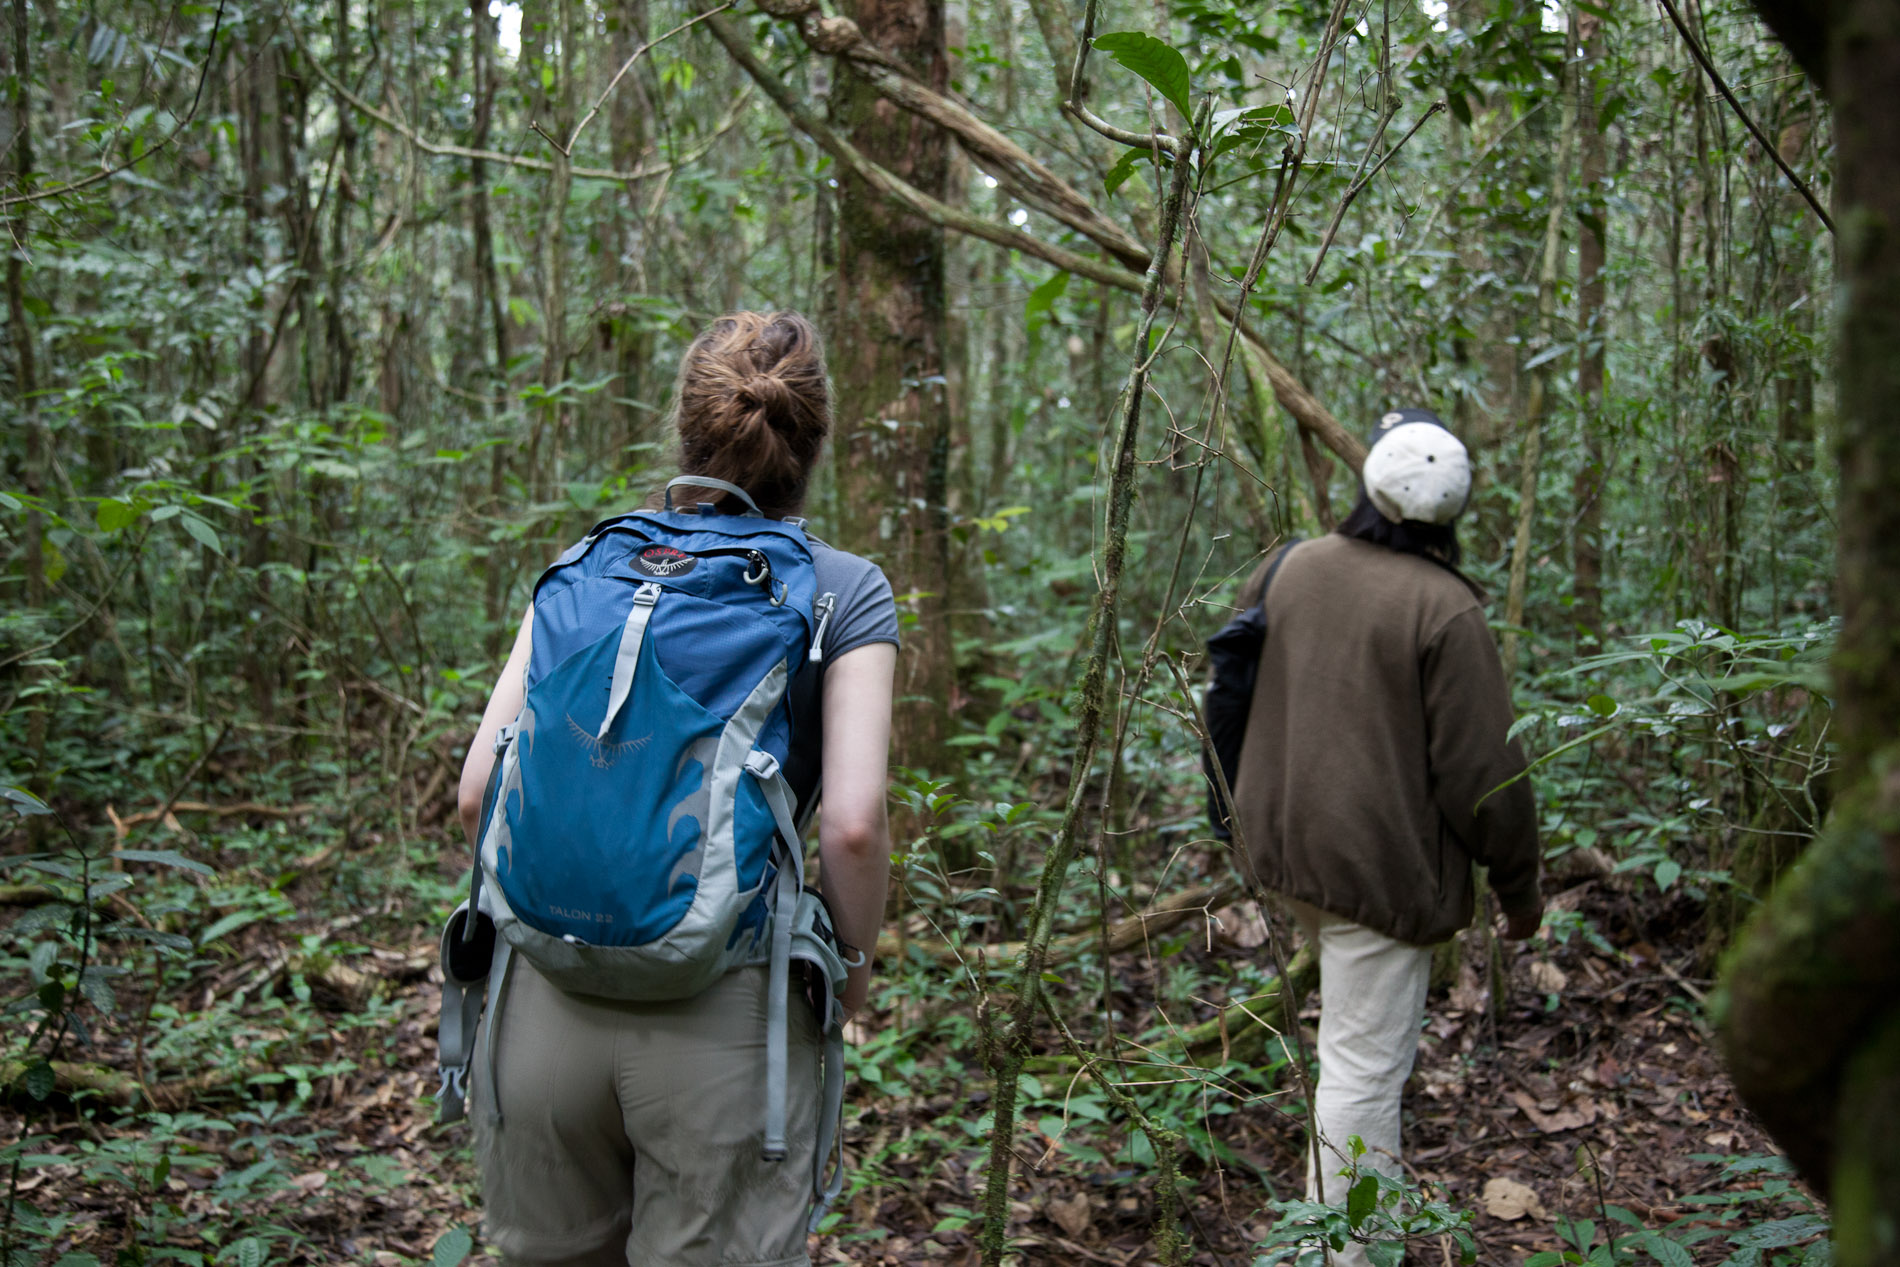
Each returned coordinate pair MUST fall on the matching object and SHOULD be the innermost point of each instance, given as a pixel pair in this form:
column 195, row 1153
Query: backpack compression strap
column 627, row 658
column 789, row 883
column 793, row 908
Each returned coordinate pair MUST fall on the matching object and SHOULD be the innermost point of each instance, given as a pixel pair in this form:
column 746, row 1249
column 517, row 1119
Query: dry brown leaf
column 1508, row 1199
column 310, row 1181
column 1071, row 1214
column 1242, row 925
column 1567, row 1117
column 1547, row 978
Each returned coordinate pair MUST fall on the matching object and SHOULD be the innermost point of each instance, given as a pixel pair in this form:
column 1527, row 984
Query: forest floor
column 1594, row 1084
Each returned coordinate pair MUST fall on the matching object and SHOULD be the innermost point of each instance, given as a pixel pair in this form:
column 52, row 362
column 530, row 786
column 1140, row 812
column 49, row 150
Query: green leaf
column 1044, row 297
column 24, row 801
column 1386, row 1253
column 1155, row 61
column 9, row 501
column 202, row 532
column 1601, row 705
column 1668, row 871
column 40, row 1080
column 114, row 514
column 1125, row 166
column 1362, row 1199
column 164, row 858
column 229, row 924
column 1666, row 1251
column 451, row 1247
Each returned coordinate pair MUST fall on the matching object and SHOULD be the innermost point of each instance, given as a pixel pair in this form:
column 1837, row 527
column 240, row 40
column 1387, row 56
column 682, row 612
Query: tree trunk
column 1587, row 488
column 1812, row 1027
column 26, row 375
column 630, row 342
column 555, row 111
column 892, row 436
column 1532, row 453
column 488, row 307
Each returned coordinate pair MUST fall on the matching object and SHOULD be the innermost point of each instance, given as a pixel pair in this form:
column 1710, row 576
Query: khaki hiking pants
column 629, row 1133
column 1372, row 1000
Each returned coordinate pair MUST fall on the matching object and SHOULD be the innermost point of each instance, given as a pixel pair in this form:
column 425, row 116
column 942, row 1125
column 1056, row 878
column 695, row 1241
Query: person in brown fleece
column 1371, row 777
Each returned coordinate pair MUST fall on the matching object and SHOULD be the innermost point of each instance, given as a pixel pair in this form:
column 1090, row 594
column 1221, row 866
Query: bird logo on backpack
column 649, row 846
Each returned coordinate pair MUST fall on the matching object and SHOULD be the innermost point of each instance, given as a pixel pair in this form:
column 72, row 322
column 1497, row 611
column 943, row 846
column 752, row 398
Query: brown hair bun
column 753, row 407
column 771, row 394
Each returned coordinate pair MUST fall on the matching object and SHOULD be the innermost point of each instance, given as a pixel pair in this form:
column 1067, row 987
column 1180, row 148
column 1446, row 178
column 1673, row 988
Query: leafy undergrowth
column 1590, row 1103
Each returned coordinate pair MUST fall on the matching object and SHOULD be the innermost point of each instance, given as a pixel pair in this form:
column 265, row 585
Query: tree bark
column 1812, row 1025
column 26, row 375
column 1587, row 488
column 1532, row 454
column 892, row 429
column 1018, row 172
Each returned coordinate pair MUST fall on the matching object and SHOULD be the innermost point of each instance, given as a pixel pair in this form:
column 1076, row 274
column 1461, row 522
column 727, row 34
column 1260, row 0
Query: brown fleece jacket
column 1378, row 725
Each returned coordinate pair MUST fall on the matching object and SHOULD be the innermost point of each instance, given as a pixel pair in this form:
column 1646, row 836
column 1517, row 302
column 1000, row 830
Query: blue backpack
column 638, row 839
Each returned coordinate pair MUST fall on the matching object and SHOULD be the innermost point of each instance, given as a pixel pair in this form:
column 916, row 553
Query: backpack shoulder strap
column 1273, row 568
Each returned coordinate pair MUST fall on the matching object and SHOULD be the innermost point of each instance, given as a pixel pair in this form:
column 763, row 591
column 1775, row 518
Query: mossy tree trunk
column 887, row 347
column 1812, row 1023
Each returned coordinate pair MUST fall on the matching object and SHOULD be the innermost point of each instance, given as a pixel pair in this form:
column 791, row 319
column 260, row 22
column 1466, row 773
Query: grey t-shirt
column 865, row 613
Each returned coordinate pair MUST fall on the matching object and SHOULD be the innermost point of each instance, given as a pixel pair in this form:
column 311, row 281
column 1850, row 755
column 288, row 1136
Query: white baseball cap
column 1417, row 469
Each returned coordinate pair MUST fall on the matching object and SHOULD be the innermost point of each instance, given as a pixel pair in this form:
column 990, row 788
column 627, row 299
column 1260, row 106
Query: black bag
column 1234, row 654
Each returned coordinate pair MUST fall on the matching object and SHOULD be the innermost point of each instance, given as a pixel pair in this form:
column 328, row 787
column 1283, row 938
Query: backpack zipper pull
column 823, row 607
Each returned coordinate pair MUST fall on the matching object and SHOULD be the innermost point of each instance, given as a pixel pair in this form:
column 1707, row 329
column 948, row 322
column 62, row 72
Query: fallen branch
column 120, row 823
column 1239, row 1032
column 115, row 1086
column 1123, row 934
column 1242, row 1027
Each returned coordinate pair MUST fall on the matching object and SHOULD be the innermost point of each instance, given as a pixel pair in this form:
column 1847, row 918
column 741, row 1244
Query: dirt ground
column 1595, row 1082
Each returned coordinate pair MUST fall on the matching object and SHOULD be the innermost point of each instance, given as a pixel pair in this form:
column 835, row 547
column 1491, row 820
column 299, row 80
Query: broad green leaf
column 1044, row 297
column 114, row 514
column 203, row 533
column 24, row 801
column 164, row 858
column 1362, row 1199
column 229, row 924
column 1666, row 1251
column 1521, row 725
column 40, row 1080
column 249, row 1252
column 451, row 1247
column 1601, row 705
column 1127, row 165
column 1386, row 1253
column 1155, row 61
column 1668, row 871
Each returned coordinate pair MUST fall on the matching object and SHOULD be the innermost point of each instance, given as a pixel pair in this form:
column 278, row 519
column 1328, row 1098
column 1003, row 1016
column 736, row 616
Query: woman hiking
column 613, row 1126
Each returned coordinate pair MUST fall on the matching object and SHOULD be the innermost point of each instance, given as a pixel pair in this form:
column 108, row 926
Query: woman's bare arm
column 503, row 706
column 854, row 829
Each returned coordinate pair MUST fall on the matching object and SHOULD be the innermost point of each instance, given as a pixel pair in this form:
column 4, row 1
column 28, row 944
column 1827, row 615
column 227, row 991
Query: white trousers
column 1372, row 1001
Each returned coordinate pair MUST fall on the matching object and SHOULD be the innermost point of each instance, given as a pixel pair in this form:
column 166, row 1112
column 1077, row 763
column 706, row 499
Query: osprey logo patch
column 664, row 561
column 602, row 754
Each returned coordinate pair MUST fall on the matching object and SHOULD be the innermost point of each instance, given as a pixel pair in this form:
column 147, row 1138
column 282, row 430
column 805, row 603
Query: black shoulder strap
column 1266, row 582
